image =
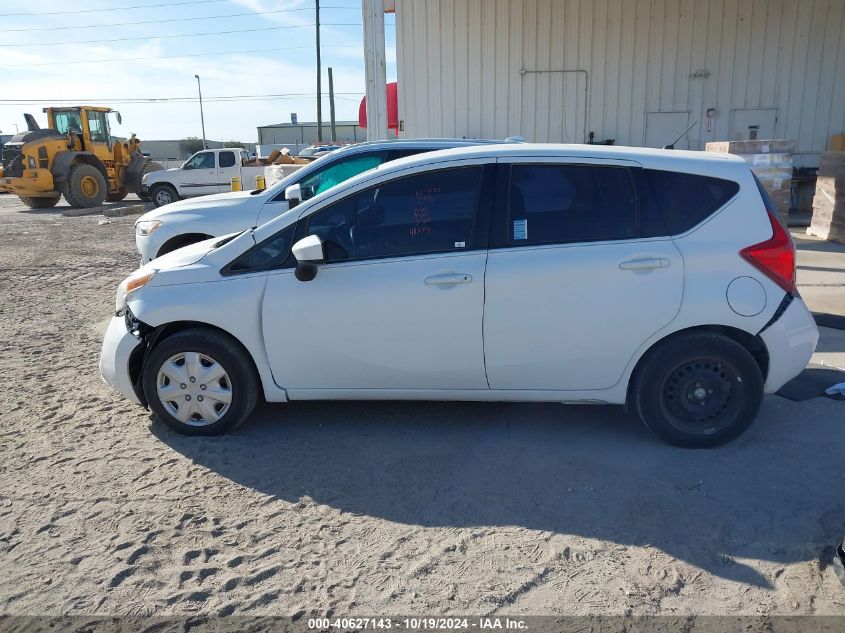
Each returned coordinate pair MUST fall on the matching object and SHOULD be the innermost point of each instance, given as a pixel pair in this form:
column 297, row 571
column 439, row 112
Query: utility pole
column 202, row 117
column 319, row 94
column 331, row 105
column 374, row 69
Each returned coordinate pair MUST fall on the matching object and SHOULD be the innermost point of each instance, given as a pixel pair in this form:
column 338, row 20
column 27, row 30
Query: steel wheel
column 163, row 197
column 194, row 388
column 90, row 187
column 702, row 395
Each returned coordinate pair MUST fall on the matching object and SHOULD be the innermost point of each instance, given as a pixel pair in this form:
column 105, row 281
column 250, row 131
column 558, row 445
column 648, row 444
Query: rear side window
column 686, row 200
column 555, row 204
column 227, row 159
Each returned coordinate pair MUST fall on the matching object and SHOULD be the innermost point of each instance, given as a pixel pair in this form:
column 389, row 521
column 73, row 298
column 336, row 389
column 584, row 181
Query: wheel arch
column 64, row 161
column 183, row 239
column 752, row 343
column 156, row 335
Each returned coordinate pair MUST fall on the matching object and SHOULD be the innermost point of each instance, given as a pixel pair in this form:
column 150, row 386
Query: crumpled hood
column 244, row 200
column 184, row 256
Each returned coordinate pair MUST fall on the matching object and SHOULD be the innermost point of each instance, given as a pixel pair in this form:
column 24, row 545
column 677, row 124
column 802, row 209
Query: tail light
column 775, row 257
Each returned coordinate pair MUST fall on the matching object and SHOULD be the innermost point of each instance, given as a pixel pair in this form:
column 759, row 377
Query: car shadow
column 591, row 471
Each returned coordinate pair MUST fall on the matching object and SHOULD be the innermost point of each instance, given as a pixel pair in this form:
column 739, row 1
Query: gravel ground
column 376, row 508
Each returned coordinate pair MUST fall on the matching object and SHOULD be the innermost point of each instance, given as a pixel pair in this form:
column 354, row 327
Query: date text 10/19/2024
column 418, row 624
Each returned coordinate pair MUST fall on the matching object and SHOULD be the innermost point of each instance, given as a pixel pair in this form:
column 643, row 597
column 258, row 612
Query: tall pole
column 319, row 95
column 375, row 71
column 331, row 105
column 202, row 117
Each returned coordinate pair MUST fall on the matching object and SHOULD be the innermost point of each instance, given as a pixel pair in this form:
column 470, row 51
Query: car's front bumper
column 791, row 341
column 118, row 346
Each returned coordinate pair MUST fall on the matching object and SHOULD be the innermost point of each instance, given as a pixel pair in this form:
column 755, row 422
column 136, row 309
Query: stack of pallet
column 771, row 162
column 829, row 202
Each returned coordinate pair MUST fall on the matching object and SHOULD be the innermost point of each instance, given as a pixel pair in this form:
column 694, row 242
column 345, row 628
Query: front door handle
column 644, row 264
column 449, row 279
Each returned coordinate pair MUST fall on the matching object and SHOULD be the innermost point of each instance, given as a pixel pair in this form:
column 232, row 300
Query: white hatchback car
column 663, row 280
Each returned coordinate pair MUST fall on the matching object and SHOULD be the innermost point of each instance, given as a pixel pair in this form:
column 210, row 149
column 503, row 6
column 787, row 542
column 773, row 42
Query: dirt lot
column 377, row 508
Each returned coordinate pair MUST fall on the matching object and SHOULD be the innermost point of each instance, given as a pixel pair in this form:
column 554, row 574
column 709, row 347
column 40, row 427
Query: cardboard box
column 771, row 146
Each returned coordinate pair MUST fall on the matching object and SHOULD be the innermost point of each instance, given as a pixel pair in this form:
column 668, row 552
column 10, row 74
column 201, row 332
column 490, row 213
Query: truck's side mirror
column 293, row 195
column 309, row 254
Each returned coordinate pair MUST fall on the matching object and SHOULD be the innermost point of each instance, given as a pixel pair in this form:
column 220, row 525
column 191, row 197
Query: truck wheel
column 40, row 203
column 118, row 195
column 86, row 186
column 163, row 194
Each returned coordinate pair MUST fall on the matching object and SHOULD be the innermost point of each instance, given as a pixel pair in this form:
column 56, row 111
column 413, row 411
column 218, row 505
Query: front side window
column 271, row 253
column 340, row 171
column 227, row 159
column 557, row 204
column 68, row 121
column 203, row 160
column 430, row 212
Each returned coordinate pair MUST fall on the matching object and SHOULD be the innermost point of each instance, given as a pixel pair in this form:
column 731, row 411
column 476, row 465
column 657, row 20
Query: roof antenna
column 672, row 144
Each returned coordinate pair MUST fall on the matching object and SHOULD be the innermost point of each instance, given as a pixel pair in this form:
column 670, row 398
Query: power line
column 175, row 35
column 159, row 21
column 153, row 100
column 97, row 26
column 138, row 6
column 138, row 59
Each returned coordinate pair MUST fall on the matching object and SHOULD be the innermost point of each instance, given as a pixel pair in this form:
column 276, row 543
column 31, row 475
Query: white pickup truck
column 206, row 172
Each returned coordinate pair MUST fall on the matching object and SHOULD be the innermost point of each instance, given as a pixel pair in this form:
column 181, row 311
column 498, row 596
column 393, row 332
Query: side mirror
column 293, row 195
column 118, row 117
column 309, row 253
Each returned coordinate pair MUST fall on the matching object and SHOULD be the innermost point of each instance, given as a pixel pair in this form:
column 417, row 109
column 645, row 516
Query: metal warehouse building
column 635, row 71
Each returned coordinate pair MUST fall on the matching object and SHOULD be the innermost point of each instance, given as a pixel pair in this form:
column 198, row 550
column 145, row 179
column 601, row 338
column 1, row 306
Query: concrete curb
column 109, row 212
column 75, row 213
column 120, row 212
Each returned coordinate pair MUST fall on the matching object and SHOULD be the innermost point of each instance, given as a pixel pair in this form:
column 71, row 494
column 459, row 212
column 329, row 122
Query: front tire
column 698, row 390
column 87, row 186
column 40, row 203
column 163, row 194
column 200, row 382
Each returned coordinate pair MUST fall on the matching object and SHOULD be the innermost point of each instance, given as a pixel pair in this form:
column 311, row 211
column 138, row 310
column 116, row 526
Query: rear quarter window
column 685, row 200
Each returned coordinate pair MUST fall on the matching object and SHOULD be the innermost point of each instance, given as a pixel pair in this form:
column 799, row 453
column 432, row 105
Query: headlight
column 146, row 227
column 31, row 162
column 144, row 178
column 136, row 280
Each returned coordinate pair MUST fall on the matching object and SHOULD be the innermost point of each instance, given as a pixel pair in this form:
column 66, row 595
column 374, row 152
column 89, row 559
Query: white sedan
column 663, row 280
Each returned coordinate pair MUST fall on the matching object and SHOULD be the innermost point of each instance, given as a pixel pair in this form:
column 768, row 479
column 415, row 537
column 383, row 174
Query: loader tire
column 40, row 203
column 86, row 186
column 118, row 195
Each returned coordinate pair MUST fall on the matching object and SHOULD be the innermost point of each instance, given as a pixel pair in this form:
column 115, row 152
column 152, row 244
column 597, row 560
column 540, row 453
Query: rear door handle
column 449, row 279
column 644, row 264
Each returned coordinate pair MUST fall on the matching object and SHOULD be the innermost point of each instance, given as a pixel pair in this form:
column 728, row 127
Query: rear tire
column 40, row 203
column 698, row 390
column 162, row 194
column 200, row 382
column 86, row 186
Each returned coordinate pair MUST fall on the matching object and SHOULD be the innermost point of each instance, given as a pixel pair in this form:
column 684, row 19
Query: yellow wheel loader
column 75, row 157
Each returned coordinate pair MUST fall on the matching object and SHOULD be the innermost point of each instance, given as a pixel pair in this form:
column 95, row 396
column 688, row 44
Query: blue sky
column 272, row 54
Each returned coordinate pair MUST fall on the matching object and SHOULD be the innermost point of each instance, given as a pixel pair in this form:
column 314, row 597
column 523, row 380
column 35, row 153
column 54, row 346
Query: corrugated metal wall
column 470, row 68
